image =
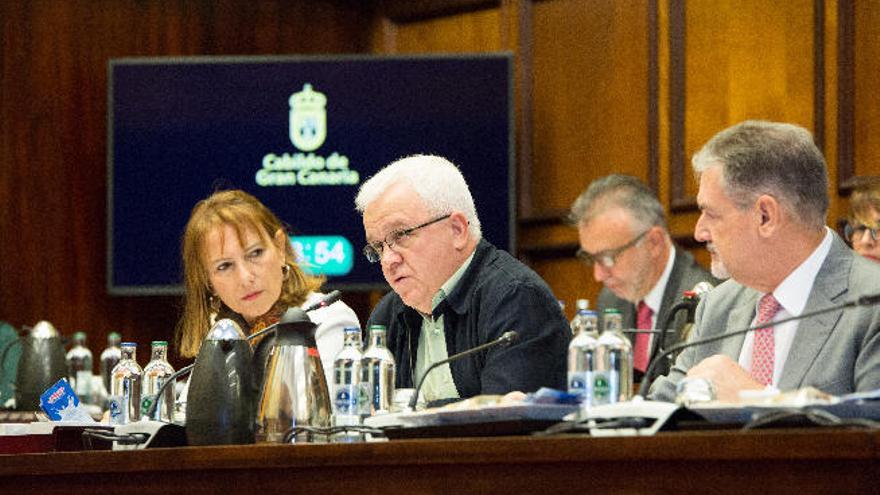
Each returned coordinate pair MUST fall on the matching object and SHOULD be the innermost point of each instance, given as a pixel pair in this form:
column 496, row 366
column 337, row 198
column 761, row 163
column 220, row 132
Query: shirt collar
column 793, row 292
column 450, row 283
column 654, row 298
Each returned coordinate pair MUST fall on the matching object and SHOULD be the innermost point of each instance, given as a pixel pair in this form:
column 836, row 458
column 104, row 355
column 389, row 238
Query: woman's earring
column 285, row 270
column 214, row 302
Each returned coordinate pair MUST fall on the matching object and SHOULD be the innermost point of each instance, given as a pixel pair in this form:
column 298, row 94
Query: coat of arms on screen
column 308, row 119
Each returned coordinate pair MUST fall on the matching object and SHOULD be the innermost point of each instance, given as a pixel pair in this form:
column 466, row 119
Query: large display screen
column 301, row 134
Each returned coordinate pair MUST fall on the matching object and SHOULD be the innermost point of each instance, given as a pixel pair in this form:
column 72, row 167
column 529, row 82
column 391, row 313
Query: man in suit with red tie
column 764, row 200
column 623, row 235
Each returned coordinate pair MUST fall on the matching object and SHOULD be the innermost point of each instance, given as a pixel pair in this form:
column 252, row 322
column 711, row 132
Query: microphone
column 868, row 300
column 323, row 303
column 326, row 301
column 506, row 338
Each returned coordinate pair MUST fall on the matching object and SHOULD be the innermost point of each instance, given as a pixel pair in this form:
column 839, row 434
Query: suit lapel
column 740, row 317
column 670, row 294
column 813, row 332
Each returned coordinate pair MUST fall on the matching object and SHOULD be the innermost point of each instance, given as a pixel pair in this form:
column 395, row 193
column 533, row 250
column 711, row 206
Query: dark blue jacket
column 497, row 293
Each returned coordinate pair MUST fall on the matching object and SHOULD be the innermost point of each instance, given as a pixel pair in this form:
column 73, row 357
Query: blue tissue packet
column 59, row 401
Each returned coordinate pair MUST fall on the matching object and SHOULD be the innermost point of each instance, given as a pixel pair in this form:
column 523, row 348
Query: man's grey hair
column 435, row 179
column 619, row 191
column 778, row 159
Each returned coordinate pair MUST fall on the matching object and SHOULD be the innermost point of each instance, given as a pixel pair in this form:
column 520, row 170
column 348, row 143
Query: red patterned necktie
column 642, row 350
column 763, row 345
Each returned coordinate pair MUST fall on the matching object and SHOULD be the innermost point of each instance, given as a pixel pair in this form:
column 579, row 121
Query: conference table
column 796, row 460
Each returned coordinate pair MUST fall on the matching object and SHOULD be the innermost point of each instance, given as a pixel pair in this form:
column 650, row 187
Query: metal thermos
column 613, row 373
column 42, row 363
column 295, row 390
column 222, row 397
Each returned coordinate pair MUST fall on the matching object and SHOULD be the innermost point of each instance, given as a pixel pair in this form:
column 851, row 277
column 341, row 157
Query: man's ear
column 656, row 236
column 460, row 233
column 769, row 215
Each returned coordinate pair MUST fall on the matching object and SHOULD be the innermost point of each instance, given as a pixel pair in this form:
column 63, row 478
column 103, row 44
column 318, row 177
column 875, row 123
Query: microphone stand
column 646, row 380
column 690, row 304
column 506, row 338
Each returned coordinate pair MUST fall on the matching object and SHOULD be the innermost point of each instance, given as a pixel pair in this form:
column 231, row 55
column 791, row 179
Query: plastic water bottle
column 347, row 384
column 156, row 373
column 110, row 358
column 582, row 355
column 79, row 367
column 613, row 373
column 378, row 372
column 125, row 387
column 575, row 323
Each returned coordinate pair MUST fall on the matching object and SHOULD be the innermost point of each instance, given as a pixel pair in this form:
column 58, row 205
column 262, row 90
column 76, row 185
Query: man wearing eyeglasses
column 763, row 199
column 453, row 290
column 623, row 236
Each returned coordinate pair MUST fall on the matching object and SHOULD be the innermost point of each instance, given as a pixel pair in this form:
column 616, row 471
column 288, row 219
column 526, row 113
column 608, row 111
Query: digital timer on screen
column 300, row 134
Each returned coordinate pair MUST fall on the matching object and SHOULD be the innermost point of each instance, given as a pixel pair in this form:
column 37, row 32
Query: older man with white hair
column 453, row 290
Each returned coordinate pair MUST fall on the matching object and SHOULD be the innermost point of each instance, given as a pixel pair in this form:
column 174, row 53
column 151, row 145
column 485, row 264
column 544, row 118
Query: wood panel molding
column 846, row 87
column 680, row 201
column 402, row 11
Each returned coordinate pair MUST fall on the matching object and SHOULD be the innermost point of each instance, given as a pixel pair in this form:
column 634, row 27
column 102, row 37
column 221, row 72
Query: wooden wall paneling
column 589, row 96
column 737, row 60
column 53, row 123
column 831, row 113
column 470, row 31
column 592, row 113
column 858, row 109
column 845, row 94
column 866, row 104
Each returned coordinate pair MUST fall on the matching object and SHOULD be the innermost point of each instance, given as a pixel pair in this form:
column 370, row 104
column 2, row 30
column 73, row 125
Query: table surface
column 778, row 461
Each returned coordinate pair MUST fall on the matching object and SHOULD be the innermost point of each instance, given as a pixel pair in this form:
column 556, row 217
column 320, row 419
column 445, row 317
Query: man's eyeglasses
column 853, row 232
column 606, row 258
column 373, row 251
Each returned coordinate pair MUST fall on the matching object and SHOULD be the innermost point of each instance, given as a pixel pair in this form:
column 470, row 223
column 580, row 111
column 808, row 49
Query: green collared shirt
column 432, row 345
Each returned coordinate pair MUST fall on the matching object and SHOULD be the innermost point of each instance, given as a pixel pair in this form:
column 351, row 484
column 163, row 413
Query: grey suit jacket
column 836, row 352
column 686, row 273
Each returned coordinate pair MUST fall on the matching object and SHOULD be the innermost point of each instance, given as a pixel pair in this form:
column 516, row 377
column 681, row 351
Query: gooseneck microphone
column 326, row 301
column 869, row 300
column 689, row 303
column 329, row 299
column 506, row 338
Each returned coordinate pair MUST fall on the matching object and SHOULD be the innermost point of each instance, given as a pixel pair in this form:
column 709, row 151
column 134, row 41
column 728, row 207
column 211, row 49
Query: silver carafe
column 221, row 402
column 42, row 363
column 295, row 392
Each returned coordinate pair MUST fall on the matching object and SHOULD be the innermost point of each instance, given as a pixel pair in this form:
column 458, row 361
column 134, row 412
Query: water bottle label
column 117, row 410
column 577, row 382
column 580, row 383
column 347, row 399
column 601, row 387
column 147, row 402
column 364, row 399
